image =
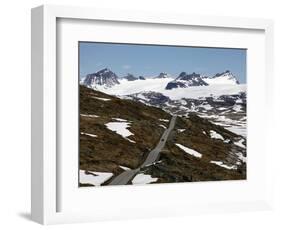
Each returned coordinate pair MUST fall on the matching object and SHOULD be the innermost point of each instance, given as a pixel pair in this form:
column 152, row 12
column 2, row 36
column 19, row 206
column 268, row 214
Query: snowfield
column 181, row 130
column 130, row 87
column 88, row 134
column 97, row 179
column 238, row 127
column 221, row 164
column 102, row 99
column 124, row 168
column 165, row 120
column 119, row 119
column 120, row 128
column 222, row 80
column 143, row 179
column 204, row 91
column 237, row 108
column 189, row 151
column 89, row 115
column 216, row 135
column 224, row 85
column 241, row 157
column 240, row 144
column 206, row 106
column 240, row 130
column 158, row 85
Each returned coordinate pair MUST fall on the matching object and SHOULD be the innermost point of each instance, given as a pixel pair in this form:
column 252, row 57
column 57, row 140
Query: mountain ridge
column 108, row 79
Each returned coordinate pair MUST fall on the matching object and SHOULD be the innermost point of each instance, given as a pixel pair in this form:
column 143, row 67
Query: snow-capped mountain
column 224, row 78
column 131, row 77
column 219, row 98
column 104, row 77
column 185, row 80
column 163, row 75
column 81, row 80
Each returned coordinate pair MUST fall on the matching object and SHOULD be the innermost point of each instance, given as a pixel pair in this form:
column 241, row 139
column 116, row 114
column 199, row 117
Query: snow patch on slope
column 89, row 115
column 216, row 135
column 124, row 168
column 189, row 151
column 88, row 134
column 221, row 164
column 222, row 80
column 120, row 128
column 94, row 178
column 102, row 99
column 240, row 143
column 143, row 179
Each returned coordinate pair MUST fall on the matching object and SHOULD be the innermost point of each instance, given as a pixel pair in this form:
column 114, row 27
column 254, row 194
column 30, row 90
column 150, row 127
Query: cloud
column 126, row 66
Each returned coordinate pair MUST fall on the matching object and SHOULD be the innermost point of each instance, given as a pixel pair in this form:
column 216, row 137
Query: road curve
column 152, row 157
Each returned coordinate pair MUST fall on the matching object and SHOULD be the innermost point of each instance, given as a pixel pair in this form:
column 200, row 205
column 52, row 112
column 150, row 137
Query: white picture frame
column 45, row 162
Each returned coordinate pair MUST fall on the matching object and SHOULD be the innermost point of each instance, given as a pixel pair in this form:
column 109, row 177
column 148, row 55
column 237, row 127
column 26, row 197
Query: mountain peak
column 185, row 80
column 185, row 76
column 130, row 77
column 105, row 70
column 163, row 75
column 224, row 78
column 104, row 77
column 227, row 72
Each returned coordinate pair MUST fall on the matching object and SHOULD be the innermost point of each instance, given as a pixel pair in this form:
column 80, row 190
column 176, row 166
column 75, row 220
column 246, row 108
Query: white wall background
column 15, row 112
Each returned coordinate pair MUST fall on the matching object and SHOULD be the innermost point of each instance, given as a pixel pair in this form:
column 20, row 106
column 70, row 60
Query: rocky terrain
column 117, row 134
column 219, row 98
column 185, row 80
column 131, row 77
column 228, row 111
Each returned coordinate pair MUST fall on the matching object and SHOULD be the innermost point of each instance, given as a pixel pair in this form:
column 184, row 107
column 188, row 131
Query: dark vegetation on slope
column 177, row 166
column 108, row 151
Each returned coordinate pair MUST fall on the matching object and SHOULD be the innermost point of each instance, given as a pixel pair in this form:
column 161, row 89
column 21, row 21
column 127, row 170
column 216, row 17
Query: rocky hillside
column 104, row 150
column 117, row 134
column 225, row 110
column 198, row 150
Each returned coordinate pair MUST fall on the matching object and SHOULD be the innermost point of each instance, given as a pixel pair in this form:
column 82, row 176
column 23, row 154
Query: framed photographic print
column 172, row 126
column 138, row 109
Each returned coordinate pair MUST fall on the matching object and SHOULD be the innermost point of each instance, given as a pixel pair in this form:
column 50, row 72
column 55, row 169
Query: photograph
column 151, row 114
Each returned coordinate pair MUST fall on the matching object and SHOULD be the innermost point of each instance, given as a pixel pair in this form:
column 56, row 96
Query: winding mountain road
column 152, row 157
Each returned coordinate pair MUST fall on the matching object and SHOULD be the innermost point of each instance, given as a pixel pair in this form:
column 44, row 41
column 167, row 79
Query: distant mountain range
column 185, row 80
column 131, row 77
column 108, row 78
column 220, row 98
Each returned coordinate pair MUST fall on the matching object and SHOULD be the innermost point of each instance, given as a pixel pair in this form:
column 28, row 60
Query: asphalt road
column 152, row 157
